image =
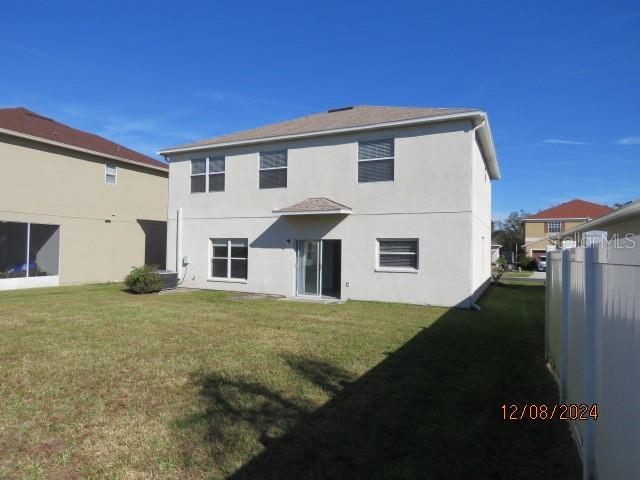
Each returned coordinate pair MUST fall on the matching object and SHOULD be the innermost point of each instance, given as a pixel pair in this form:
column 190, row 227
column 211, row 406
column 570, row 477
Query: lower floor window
column 229, row 257
column 398, row 253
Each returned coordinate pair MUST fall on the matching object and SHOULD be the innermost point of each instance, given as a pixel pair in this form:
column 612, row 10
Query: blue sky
column 560, row 80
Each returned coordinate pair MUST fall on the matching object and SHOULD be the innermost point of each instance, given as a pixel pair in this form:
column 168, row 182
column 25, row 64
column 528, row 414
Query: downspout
column 179, row 242
column 472, row 303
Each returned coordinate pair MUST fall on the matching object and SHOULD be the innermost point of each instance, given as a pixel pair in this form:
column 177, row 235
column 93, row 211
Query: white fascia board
column 80, row 149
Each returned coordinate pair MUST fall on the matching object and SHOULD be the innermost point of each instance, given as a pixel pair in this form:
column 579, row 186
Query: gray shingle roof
column 358, row 116
column 310, row 205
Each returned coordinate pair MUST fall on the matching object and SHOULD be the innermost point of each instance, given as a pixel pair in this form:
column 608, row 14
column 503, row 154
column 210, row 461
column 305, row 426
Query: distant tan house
column 621, row 222
column 539, row 228
column 74, row 207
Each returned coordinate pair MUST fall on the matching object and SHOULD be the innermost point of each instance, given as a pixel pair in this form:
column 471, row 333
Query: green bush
column 528, row 263
column 144, row 280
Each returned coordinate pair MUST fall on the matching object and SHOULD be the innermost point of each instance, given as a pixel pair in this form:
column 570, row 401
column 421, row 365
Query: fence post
column 564, row 354
column 588, row 450
column 547, row 290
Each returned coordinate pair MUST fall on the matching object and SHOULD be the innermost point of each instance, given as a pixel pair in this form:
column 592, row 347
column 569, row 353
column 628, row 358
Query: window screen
column 398, row 253
column 273, row 169
column 375, row 160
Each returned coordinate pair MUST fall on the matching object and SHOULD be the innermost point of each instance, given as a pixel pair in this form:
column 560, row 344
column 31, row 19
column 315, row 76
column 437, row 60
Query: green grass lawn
column 98, row 383
column 515, row 274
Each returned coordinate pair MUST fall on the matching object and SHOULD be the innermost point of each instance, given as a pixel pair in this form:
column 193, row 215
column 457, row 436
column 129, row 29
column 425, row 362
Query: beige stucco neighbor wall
column 52, row 185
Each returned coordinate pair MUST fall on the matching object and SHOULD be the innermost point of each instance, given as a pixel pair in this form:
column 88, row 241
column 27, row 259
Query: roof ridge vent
column 340, row 109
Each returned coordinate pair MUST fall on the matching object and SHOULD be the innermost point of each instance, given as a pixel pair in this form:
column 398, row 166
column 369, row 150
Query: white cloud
column 629, row 141
column 558, row 141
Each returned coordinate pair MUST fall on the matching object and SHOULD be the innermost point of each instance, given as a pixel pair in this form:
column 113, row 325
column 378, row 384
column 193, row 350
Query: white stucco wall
column 481, row 222
column 430, row 199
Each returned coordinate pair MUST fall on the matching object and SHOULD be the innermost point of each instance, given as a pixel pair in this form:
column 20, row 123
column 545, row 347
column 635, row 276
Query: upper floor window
column 375, row 160
column 216, row 174
column 207, row 174
column 110, row 172
column 273, row 169
column 554, row 227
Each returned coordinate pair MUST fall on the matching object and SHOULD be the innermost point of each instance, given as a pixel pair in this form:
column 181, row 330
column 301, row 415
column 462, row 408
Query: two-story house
column 74, row 207
column 366, row 203
column 541, row 229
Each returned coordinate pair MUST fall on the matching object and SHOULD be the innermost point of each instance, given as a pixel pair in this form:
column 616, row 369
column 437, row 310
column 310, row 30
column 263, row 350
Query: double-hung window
column 273, row 169
column 229, row 257
column 198, row 175
column 554, row 227
column 375, row 160
column 216, row 174
column 397, row 254
column 207, row 174
column 110, row 172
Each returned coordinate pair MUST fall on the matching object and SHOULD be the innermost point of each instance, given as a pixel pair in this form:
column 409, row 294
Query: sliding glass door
column 308, row 267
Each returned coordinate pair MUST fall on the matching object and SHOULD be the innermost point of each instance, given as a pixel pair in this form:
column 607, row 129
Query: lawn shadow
column 431, row 409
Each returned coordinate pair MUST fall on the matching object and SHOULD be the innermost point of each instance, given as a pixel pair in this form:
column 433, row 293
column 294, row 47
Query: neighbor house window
column 198, row 175
column 273, row 169
column 375, row 160
column 554, row 227
column 229, row 258
column 401, row 254
column 110, row 172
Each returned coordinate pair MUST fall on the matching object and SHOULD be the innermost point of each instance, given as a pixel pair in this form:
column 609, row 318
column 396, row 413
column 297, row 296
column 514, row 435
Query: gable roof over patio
column 314, row 206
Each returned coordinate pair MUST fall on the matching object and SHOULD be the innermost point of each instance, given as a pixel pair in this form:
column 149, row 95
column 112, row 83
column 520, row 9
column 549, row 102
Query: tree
column 510, row 231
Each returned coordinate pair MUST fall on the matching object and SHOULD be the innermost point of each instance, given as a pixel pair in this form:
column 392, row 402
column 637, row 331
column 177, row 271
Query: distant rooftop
column 333, row 119
column 27, row 123
column 576, row 208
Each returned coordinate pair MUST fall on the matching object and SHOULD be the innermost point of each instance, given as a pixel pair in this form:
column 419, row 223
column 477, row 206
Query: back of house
column 74, row 207
column 363, row 203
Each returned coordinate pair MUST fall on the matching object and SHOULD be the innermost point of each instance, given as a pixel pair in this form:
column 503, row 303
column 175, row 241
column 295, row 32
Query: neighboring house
column 495, row 252
column 352, row 203
column 74, row 207
column 622, row 222
column 540, row 228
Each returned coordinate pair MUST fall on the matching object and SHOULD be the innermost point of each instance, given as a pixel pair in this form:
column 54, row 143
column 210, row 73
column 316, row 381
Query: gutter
column 482, row 120
column 80, row 149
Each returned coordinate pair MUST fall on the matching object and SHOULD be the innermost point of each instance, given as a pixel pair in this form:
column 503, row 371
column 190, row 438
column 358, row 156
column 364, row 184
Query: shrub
column 528, row 263
column 144, row 280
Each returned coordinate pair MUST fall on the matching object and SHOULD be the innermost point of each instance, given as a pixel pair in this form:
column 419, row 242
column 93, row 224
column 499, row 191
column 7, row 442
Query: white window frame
column 397, row 269
column 228, row 278
column 108, row 165
column 554, row 222
column 208, row 172
column 260, row 169
column 393, row 141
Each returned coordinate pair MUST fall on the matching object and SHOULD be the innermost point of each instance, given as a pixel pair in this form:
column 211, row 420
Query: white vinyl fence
column 593, row 350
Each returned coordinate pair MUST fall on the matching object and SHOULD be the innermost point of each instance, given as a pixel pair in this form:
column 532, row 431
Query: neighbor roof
column 27, row 124
column 314, row 205
column 340, row 120
column 572, row 209
column 628, row 211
